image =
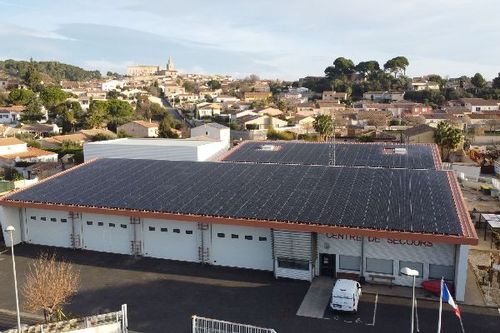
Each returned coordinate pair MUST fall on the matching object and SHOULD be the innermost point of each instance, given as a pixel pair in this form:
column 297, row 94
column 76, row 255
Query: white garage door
column 107, row 233
column 171, row 240
column 47, row 227
column 243, row 247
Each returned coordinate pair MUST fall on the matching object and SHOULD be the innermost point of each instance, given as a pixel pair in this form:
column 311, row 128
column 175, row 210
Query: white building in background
column 112, row 85
column 155, row 149
column 212, row 131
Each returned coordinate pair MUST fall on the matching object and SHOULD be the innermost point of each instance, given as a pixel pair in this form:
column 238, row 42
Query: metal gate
column 207, row 325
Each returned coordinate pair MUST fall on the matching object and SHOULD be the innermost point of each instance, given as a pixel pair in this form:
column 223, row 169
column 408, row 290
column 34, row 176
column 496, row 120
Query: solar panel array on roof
column 375, row 198
column 347, row 154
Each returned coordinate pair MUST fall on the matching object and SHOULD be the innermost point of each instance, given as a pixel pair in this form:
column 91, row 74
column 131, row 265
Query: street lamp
column 411, row 272
column 10, row 229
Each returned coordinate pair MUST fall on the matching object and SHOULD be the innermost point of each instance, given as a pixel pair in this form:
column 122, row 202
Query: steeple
column 170, row 64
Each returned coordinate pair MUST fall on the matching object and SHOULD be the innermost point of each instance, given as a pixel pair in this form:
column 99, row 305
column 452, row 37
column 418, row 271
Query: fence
column 207, row 325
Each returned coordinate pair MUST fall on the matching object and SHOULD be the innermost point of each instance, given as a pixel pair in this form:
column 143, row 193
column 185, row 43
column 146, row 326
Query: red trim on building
column 283, row 225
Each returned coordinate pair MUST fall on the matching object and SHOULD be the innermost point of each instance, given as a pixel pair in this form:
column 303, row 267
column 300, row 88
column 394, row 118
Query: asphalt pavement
column 162, row 296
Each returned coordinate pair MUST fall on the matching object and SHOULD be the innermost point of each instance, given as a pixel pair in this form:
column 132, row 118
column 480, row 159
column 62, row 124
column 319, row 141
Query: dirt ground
column 491, row 292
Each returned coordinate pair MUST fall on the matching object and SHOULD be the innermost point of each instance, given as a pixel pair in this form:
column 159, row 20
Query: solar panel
column 377, row 198
column 346, row 154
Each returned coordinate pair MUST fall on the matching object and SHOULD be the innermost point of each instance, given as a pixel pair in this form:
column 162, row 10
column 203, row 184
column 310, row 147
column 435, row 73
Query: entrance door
column 327, row 264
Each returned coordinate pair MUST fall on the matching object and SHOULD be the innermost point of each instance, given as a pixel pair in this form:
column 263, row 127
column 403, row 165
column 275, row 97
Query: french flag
column 446, row 296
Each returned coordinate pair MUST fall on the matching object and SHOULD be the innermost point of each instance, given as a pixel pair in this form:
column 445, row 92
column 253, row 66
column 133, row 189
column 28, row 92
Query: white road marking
column 374, row 311
column 348, row 321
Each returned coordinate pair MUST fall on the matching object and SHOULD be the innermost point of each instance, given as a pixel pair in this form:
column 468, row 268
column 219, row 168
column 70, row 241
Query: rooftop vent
column 269, row 147
column 398, row 151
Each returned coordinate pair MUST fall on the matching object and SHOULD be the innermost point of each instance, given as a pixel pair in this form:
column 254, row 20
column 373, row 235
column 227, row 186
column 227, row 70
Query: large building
column 298, row 210
column 142, row 70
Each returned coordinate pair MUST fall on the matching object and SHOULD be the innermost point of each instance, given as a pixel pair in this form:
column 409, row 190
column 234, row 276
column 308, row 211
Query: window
column 53, row 219
column 350, row 263
column 221, row 235
column 64, row 220
column 235, row 236
column 189, row 232
column 248, row 237
column 262, row 239
column 124, row 226
column 111, row 225
column 152, row 228
column 177, row 231
column 33, row 217
column 438, row 271
column 43, row 218
column 413, row 265
column 383, row 266
column 163, row 229
column 90, row 222
column 302, row 265
column 100, row 224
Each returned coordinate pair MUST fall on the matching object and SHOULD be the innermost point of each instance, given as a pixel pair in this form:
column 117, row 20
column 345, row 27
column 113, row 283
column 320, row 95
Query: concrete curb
column 23, row 314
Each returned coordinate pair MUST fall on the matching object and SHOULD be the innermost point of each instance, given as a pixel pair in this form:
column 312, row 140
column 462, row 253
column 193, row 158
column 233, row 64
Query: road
column 175, row 113
column 162, row 296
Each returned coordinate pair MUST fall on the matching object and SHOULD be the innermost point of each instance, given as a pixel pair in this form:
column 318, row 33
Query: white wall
column 152, row 152
column 462, row 265
column 13, row 149
column 10, row 216
column 396, row 250
column 210, row 152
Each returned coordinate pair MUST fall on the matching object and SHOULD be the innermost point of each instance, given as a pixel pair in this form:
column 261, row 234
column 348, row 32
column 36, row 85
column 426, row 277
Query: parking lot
column 163, row 295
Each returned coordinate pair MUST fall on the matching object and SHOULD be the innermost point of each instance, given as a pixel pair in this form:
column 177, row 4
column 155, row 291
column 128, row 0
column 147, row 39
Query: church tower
column 170, row 65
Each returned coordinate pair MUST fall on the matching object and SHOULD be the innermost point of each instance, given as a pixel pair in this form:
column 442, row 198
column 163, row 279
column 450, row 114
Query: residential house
column 7, row 131
column 78, row 138
column 419, row 134
column 433, row 119
column 420, row 84
column 384, row 96
column 480, row 104
column 112, row 85
column 10, row 114
column 273, row 112
column 226, row 99
column 334, row 96
column 329, row 106
column 41, row 130
column 309, row 106
column 261, row 122
column 13, row 150
column 212, row 131
column 140, row 129
column 208, row 109
column 261, row 86
column 305, row 122
column 250, row 96
column 235, row 114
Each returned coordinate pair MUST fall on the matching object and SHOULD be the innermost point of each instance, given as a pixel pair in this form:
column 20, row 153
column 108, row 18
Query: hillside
column 54, row 70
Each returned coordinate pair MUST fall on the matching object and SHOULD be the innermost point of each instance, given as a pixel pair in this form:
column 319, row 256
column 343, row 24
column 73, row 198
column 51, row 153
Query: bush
column 365, row 138
column 308, row 137
column 272, row 134
column 12, row 174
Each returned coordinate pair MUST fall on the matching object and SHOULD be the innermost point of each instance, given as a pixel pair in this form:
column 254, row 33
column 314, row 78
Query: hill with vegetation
column 53, row 70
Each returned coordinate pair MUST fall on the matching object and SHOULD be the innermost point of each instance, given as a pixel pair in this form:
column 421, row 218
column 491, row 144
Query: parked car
column 345, row 295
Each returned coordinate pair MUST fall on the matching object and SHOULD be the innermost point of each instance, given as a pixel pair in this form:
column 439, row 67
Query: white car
column 345, row 295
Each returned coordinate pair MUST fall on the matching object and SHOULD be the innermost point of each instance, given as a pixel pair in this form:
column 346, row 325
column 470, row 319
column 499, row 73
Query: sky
column 275, row 39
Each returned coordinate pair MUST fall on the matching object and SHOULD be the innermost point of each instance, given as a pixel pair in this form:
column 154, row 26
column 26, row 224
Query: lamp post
column 414, row 273
column 10, row 229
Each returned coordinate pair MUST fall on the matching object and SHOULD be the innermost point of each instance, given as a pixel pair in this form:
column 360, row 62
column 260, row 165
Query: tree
column 119, row 112
column 113, row 94
column 214, row 84
column 478, row 81
column 209, row 98
column 323, row 124
column 496, row 82
column 342, row 67
column 49, row 285
column 447, row 138
column 21, row 96
column 96, row 115
column 397, row 65
column 367, row 67
column 32, row 77
column 33, row 111
column 52, row 96
column 165, row 130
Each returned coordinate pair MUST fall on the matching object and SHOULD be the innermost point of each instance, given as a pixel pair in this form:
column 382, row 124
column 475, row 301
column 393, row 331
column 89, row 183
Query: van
column 345, row 295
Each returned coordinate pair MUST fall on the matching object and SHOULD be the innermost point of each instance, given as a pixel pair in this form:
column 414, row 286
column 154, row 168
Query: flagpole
column 440, row 305
column 461, row 324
